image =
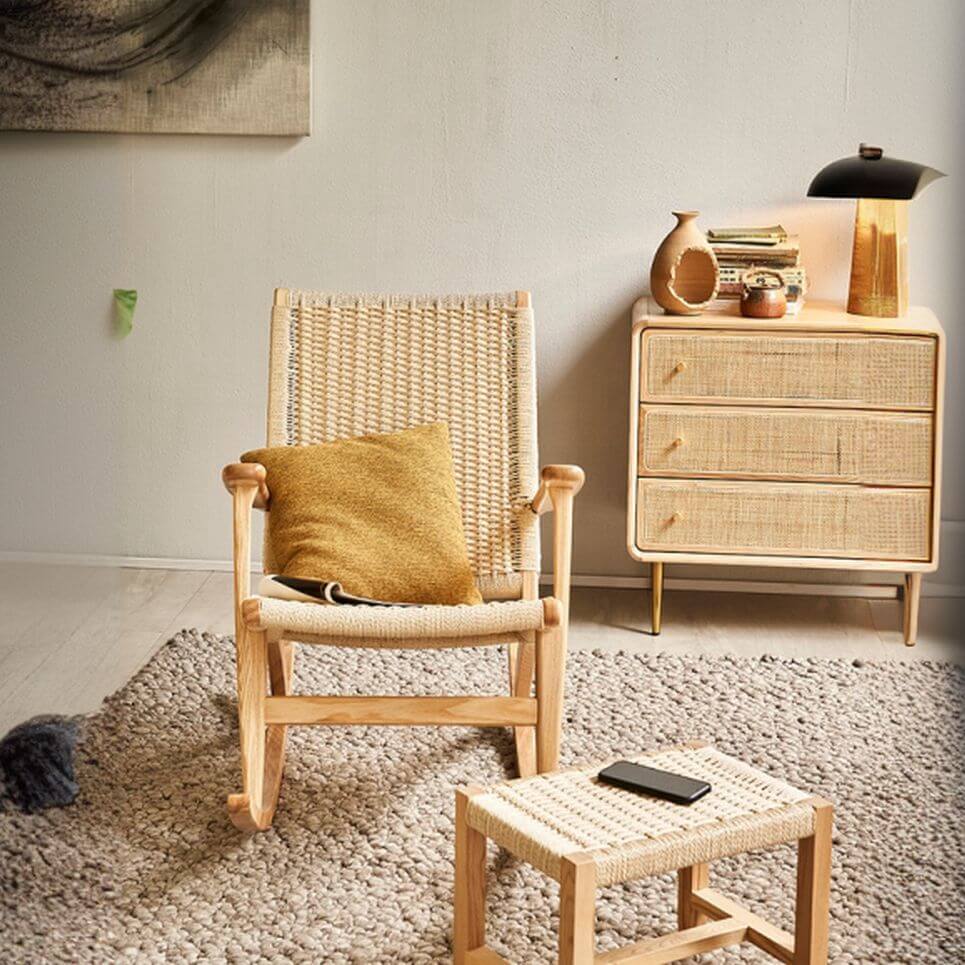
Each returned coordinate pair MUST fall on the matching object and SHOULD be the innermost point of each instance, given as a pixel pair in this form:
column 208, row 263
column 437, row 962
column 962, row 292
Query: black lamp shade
column 869, row 174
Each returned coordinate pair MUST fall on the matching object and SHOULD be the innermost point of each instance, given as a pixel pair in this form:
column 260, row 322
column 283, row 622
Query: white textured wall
column 457, row 145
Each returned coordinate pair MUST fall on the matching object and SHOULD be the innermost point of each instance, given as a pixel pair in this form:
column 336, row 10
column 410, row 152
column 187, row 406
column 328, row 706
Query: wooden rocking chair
column 346, row 365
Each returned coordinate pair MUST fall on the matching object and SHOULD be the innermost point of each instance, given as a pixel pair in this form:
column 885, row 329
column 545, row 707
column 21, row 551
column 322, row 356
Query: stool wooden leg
column 469, row 921
column 577, row 910
column 811, row 919
column 656, row 597
column 690, row 880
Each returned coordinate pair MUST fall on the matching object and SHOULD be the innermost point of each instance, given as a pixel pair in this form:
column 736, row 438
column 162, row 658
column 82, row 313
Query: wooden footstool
column 588, row 835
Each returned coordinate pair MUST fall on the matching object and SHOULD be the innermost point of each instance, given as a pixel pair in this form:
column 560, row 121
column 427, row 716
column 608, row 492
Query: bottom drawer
column 792, row 519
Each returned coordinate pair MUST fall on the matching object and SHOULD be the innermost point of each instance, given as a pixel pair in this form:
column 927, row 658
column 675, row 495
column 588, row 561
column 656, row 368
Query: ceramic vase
column 684, row 275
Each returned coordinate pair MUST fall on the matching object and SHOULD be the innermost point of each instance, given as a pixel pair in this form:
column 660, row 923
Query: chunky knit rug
column 358, row 867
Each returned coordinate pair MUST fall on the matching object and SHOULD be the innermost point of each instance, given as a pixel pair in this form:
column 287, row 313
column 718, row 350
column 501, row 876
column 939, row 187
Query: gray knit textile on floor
column 37, row 763
column 145, row 866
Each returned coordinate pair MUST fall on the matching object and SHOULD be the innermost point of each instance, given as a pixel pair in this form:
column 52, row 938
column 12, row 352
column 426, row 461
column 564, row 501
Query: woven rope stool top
column 629, row 835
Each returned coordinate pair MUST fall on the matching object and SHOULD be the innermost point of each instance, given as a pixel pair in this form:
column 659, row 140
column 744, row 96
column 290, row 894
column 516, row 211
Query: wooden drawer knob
column 678, row 442
column 676, row 516
column 679, row 367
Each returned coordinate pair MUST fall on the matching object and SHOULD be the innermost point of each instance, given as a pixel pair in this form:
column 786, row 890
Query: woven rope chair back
column 348, row 365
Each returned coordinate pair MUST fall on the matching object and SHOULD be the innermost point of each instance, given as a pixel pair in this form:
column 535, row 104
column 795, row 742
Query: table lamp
column 879, row 260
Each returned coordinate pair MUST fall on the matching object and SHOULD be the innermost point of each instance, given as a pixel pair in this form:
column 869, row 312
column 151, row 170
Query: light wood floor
column 69, row 636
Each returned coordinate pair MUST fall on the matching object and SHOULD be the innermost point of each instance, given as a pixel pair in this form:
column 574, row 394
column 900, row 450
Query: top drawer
column 856, row 371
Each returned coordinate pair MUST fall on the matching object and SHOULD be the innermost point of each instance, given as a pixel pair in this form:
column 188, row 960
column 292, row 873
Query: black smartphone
column 648, row 780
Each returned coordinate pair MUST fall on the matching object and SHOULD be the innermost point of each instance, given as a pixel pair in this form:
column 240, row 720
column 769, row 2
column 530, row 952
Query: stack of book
column 740, row 250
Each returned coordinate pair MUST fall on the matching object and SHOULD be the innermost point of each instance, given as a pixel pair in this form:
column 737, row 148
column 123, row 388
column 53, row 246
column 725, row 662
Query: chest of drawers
column 811, row 441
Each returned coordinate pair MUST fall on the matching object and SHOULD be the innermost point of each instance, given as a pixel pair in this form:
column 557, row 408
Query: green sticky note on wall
column 125, row 300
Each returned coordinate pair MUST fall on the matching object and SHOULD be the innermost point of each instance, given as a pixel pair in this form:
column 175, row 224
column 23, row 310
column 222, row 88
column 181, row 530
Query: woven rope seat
column 629, row 835
column 423, row 623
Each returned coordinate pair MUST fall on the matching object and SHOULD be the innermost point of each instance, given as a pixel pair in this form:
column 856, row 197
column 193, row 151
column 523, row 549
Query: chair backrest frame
column 345, row 365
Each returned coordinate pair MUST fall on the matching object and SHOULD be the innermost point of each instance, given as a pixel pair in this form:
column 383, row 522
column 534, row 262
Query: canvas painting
column 156, row 66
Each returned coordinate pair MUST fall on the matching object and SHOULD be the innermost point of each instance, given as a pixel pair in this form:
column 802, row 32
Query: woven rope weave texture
column 400, row 623
column 348, row 365
column 803, row 519
column 630, row 835
column 879, row 371
column 877, row 448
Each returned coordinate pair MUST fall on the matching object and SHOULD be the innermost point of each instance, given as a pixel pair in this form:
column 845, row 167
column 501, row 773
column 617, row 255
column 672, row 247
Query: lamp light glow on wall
column 883, row 186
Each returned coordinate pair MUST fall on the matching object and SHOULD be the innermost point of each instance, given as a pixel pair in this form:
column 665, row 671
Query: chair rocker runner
column 348, row 365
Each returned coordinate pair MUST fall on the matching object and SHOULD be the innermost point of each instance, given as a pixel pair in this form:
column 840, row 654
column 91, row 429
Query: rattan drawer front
column 783, row 519
column 864, row 371
column 880, row 448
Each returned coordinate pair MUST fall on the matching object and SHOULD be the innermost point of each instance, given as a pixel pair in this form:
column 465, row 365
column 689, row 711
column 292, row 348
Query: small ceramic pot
column 684, row 275
column 760, row 297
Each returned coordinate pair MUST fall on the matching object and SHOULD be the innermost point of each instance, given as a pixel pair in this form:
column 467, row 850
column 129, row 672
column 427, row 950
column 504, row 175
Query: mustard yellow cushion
column 379, row 513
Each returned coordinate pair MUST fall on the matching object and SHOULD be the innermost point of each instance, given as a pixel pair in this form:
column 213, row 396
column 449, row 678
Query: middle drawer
column 875, row 448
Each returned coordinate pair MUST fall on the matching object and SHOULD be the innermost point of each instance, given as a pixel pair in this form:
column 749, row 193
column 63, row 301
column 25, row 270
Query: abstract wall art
column 156, row 66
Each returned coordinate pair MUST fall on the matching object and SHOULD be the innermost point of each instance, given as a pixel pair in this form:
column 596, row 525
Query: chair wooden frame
column 265, row 660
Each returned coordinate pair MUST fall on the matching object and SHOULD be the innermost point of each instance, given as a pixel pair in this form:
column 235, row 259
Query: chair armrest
column 558, row 487
column 246, row 481
column 559, row 478
column 240, row 475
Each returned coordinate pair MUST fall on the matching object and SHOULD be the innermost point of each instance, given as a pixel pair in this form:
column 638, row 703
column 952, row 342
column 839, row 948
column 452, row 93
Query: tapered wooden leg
column 912, row 600
column 550, row 673
column 522, row 664
column 469, row 921
column 656, row 597
column 811, row 918
column 577, row 910
column 690, row 880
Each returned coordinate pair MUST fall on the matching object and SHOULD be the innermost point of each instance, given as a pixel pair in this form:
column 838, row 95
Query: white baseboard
column 871, row 591
column 125, row 562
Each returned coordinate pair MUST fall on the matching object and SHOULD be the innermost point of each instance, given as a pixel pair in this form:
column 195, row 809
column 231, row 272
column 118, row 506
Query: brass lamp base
column 879, row 260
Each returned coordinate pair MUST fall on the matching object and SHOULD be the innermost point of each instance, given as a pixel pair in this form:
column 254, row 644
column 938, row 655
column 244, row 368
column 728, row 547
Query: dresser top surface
column 821, row 316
